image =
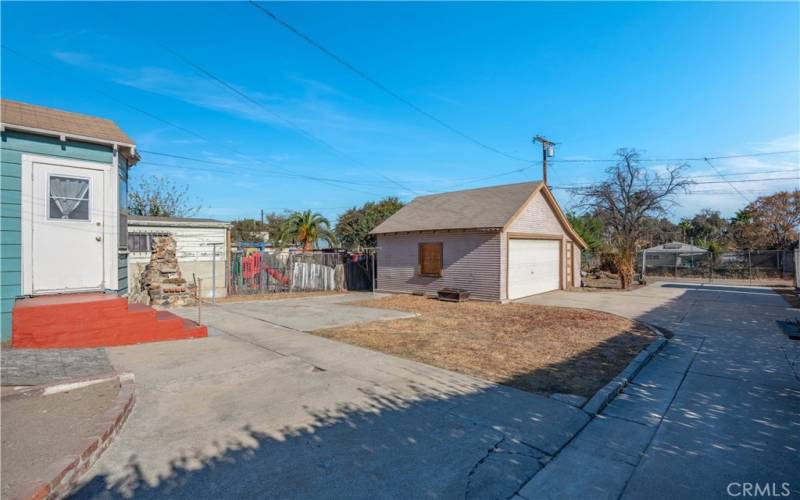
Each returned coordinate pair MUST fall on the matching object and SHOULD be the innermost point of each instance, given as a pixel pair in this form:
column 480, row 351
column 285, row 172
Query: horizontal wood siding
column 471, row 261
column 194, row 243
column 537, row 218
column 12, row 146
column 194, row 254
column 122, row 262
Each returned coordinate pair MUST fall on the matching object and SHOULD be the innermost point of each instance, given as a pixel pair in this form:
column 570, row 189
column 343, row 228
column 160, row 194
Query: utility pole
column 262, row 216
column 548, row 150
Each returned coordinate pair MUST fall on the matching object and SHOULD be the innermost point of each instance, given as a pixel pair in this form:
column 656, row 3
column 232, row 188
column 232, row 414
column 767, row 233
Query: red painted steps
column 94, row 320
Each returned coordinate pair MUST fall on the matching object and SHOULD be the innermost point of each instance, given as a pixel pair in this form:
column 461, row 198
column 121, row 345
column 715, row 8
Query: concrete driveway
column 262, row 409
column 716, row 414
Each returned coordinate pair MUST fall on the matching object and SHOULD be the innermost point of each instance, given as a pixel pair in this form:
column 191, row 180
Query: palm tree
column 686, row 226
column 306, row 228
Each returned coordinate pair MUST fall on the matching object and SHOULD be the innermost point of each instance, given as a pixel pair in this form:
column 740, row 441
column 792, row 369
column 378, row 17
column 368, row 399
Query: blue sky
column 671, row 79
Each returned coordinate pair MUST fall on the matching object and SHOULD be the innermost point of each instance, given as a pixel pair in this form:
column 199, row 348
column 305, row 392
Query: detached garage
column 500, row 243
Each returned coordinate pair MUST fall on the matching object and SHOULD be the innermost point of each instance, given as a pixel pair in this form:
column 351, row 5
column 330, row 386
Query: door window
column 68, row 198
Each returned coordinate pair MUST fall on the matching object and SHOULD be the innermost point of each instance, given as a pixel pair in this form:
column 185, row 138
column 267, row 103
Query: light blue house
column 63, row 205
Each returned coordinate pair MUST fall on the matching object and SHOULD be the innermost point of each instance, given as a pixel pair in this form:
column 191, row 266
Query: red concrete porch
column 94, row 320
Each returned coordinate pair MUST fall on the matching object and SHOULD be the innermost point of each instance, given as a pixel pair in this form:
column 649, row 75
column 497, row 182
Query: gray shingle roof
column 489, row 207
column 150, row 220
column 677, row 247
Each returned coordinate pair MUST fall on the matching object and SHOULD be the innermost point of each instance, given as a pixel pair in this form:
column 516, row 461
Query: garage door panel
column 533, row 266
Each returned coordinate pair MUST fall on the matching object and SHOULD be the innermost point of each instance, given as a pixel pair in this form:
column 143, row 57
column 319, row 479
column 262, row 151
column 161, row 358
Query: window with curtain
column 430, row 259
column 69, row 198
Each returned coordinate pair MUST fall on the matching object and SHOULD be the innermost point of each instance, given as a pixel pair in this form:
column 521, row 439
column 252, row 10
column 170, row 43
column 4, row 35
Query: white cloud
column 312, row 111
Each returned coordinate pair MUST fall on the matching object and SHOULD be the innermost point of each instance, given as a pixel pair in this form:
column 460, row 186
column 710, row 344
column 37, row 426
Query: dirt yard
column 603, row 283
column 533, row 348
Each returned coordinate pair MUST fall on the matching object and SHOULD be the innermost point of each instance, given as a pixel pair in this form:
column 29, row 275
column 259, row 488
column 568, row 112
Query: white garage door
column 532, row 267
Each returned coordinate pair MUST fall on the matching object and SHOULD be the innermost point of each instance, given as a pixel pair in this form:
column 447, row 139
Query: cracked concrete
column 719, row 404
column 263, row 410
column 503, row 470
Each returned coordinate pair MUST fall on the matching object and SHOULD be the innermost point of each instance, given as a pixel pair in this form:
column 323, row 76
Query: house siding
column 194, row 252
column 471, row 260
column 122, row 255
column 538, row 217
column 12, row 146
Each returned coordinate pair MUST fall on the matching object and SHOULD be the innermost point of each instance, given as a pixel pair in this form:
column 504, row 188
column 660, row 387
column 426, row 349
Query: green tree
column 658, row 231
column 708, row 225
column 354, row 225
column 247, row 230
column 156, row 196
column 307, row 228
column 589, row 228
column 686, row 226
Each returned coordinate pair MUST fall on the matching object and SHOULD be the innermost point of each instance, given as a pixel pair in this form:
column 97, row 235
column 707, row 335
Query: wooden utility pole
column 547, row 151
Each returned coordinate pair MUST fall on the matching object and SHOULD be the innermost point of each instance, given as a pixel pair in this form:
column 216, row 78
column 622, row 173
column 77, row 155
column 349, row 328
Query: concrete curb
column 607, row 393
column 55, row 388
column 63, row 475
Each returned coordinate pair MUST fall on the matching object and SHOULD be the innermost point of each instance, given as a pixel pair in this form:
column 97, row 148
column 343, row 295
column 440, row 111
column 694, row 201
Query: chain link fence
column 756, row 265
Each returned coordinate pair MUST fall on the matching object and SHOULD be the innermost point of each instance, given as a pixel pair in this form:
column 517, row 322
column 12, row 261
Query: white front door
column 68, row 228
column 533, row 266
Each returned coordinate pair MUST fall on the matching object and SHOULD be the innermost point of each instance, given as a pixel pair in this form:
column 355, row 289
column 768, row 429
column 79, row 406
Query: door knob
column 98, row 238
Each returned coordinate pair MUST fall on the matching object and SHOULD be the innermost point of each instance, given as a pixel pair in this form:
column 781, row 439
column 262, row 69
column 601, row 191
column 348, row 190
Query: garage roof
column 491, row 207
column 482, row 208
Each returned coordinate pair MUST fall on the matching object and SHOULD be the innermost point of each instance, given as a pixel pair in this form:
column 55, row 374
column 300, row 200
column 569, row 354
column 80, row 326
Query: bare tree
column 629, row 196
column 160, row 197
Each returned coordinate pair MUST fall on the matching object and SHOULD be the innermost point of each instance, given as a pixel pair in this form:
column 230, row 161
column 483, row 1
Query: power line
column 272, row 112
column 769, row 179
column 746, row 199
column 283, row 176
column 701, row 158
column 380, row 85
column 337, row 183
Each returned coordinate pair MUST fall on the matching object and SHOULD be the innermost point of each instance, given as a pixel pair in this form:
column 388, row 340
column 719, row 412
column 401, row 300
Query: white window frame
column 110, row 215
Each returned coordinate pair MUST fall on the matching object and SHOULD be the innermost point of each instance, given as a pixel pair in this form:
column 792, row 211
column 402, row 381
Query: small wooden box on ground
column 453, row 294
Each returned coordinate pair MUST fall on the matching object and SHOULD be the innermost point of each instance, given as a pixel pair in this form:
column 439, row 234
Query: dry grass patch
column 533, row 348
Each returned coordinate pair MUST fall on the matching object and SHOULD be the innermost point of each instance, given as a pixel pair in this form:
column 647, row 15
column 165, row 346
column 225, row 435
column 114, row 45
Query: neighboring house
column 196, row 240
column 672, row 254
column 63, row 211
column 500, row 243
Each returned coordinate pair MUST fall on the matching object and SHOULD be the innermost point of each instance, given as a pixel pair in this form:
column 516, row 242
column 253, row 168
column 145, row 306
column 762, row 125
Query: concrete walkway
column 20, row 367
column 714, row 415
column 261, row 409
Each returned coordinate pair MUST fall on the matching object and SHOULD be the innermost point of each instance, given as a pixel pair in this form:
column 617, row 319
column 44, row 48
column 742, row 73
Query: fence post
column 644, row 266
column 214, row 273
column 749, row 268
column 199, row 301
column 710, row 267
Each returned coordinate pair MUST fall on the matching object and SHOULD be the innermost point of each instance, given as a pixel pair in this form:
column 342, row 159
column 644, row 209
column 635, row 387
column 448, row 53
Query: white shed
column 202, row 248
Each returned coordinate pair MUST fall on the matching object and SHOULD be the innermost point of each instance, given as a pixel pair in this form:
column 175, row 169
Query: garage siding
column 471, row 261
column 538, row 218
